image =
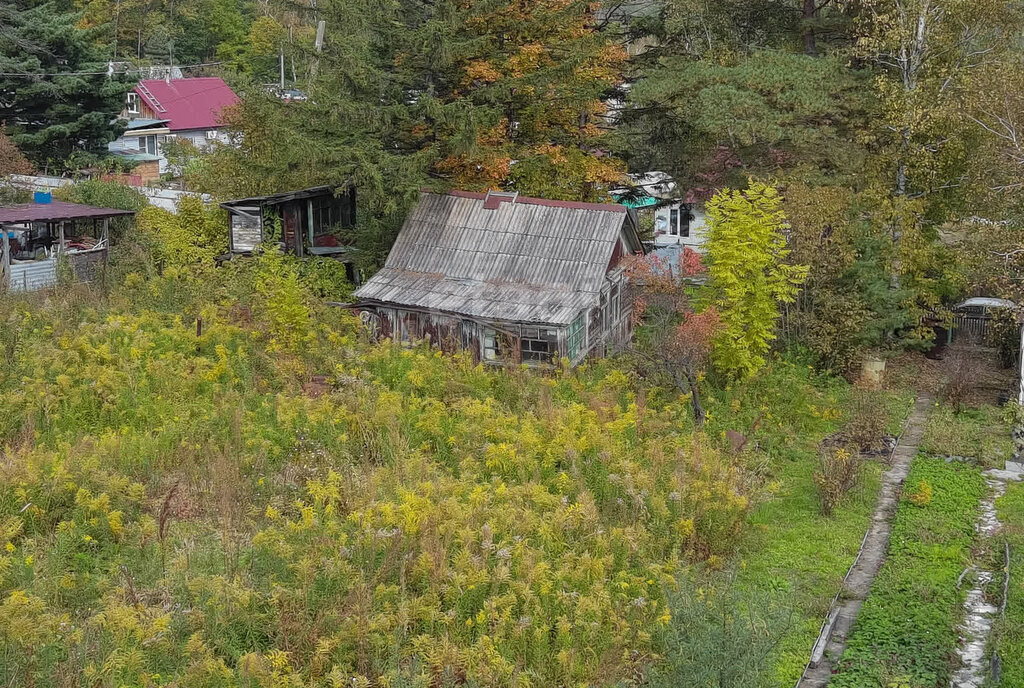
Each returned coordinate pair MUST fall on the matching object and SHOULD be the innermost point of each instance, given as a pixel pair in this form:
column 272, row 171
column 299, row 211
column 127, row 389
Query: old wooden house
column 509, row 278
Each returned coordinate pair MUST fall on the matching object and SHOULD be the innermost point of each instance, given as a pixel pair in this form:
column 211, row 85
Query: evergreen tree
column 55, row 96
column 510, row 95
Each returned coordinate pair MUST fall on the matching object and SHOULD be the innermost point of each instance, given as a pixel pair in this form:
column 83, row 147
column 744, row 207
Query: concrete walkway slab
column 831, row 642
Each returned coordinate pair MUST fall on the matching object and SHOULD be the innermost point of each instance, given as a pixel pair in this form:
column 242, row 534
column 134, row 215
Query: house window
column 684, row 221
column 409, row 329
column 673, row 223
column 133, row 103
column 490, row 344
column 537, row 351
column 147, row 144
column 575, row 339
column 330, row 214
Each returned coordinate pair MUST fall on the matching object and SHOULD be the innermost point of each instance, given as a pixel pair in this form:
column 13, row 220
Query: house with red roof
column 159, row 109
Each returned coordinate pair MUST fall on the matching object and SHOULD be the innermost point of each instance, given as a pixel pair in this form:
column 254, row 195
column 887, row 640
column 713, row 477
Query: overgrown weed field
column 268, row 499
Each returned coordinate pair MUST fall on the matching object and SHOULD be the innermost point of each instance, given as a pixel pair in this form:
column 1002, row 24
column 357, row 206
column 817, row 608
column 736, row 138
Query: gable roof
column 516, row 259
column 187, row 103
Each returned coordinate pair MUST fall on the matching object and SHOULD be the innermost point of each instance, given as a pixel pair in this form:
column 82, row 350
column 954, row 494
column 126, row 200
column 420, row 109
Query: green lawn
column 793, row 548
column 906, row 632
column 980, row 433
column 791, row 551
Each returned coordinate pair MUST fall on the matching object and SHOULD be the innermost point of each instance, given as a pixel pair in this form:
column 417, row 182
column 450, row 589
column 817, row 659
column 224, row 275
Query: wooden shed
column 509, row 278
column 313, row 222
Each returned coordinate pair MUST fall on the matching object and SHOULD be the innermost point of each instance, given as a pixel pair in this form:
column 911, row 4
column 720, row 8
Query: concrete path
column 832, row 640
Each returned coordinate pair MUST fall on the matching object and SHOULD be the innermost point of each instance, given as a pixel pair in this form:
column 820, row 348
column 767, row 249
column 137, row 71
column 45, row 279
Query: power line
column 105, row 72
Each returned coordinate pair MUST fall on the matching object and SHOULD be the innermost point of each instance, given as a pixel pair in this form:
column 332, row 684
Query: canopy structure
column 986, row 302
column 35, row 236
column 56, row 211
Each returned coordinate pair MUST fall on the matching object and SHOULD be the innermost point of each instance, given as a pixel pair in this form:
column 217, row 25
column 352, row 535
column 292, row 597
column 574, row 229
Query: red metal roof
column 55, row 211
column 188, row 103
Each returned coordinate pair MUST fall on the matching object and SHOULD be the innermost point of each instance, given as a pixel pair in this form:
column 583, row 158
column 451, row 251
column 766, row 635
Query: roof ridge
column 534, row 200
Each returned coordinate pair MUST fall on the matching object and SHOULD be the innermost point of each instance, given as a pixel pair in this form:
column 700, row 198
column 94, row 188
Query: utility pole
column 318, row 45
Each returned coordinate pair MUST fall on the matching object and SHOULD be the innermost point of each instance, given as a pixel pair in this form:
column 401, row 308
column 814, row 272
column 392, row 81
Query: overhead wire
column 104, row 72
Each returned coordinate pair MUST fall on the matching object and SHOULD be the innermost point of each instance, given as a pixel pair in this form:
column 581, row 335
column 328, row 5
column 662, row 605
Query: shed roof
column 525, row 260
column 986, row 302
column 55, row 211
column 194, row 103
column 274, row 199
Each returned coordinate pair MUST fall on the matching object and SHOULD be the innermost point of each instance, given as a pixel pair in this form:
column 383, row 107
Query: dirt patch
column 317, row 386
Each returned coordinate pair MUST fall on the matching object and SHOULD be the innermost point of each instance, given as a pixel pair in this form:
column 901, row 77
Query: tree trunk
column 699, row 414
column 901, row 192
column 810, row 11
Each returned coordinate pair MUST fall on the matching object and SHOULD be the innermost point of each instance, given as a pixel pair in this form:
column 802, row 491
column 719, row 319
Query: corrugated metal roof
column 56, row 210
column 142, row 123
column 528, row 260
column 273, row 199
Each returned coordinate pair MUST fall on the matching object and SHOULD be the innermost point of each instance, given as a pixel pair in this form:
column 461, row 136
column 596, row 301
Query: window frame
column 673, row 221
column 132, row 105
column 576, row 336
column 489, row 343
column 684, row 221
column 534, row 351
column 144, row 142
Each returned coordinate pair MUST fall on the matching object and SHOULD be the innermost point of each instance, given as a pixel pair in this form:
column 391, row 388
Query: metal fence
column 971, row 325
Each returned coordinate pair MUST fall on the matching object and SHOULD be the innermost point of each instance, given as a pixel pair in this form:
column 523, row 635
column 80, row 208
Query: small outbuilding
column 509, row 278
column 317, row 221
column 36, row 237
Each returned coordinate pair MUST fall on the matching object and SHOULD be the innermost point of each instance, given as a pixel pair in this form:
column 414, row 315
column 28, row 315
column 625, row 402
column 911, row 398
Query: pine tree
column 55, row 96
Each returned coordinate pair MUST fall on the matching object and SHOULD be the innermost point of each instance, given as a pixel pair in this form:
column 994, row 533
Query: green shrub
column 838, row 473
column 868, row 420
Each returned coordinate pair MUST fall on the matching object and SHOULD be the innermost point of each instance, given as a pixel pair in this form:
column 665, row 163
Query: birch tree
column 927, row 52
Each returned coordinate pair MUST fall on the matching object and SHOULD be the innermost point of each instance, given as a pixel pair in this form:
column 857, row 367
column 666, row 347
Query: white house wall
column 129, row 141
column 698, row 227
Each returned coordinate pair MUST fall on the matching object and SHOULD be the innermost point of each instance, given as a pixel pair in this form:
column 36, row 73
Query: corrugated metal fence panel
column 32, row 276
